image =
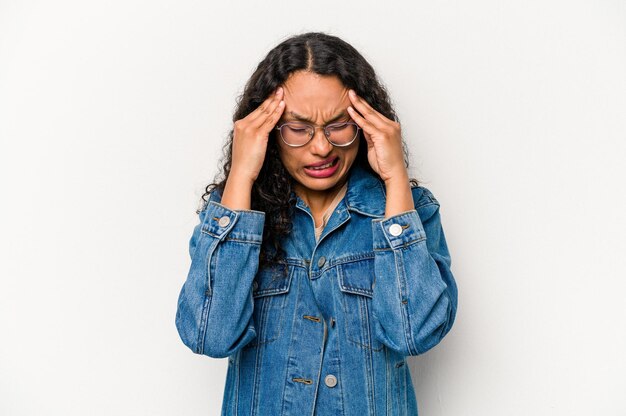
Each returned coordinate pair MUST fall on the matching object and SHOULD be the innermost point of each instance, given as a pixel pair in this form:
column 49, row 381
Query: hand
column 250, row 136
column 383, row 137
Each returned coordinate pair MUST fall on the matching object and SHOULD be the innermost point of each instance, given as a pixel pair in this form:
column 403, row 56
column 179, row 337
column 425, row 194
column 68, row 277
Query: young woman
column 317, row 265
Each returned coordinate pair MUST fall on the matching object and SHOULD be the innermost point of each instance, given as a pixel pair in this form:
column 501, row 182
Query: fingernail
column 279, row 90
column 352, row 93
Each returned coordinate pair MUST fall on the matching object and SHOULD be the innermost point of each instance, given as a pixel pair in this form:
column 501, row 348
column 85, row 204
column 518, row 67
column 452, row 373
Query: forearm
column 237, row 192
column 399, row 196
column 415, row 296
column 214, row 315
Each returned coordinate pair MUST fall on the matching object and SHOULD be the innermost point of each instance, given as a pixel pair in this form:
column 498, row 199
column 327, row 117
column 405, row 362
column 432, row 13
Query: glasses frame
column 315, row 127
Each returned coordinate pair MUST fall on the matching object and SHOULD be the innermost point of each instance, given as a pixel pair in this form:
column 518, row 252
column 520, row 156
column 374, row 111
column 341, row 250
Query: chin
column 322, row 184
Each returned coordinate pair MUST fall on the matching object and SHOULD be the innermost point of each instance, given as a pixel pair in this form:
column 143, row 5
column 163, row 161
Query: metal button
column 321, row 261
column 330, row 380
column 224, row 221
column 395, row 230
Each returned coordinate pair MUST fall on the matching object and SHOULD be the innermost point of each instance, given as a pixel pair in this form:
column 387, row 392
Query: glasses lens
column 341, row 133
column 296, row 134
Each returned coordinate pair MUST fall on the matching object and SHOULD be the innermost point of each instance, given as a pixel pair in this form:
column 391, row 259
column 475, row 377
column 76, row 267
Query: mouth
column 323, row 169
column 324, row 164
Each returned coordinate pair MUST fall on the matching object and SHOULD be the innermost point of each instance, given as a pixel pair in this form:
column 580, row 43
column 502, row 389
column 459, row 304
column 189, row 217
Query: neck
column 318, row 201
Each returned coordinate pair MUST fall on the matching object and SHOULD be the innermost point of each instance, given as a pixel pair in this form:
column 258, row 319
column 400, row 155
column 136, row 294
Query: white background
column 112, row 118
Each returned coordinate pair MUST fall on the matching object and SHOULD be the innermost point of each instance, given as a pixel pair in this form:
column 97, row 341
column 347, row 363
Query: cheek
column 280, row 148
column 352, row 153
column 287, row 158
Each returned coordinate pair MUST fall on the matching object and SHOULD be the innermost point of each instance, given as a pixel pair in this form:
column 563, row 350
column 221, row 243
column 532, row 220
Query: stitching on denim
column 361, row 302
column 427, row 204
column 204, row 318
column 319, row 368
column 370, row 359
column 292, row 261
column 388, row 383
column 290, row 350
column 229, row 210
column 229, row 238
column 351, row 258
column 271, row 302
column 356, row 290
column 369, row 292
column 404, row 245
column 264, row 290
column 254, row 402
column 402, row 282
column 367, row 214
column 340, row 374
column 237, row 380
column 239, row 240
column 269, row 305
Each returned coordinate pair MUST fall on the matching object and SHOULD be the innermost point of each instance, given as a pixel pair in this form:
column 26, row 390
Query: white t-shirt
column 329, row 210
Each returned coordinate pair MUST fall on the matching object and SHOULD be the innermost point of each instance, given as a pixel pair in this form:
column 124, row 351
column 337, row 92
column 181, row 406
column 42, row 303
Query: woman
column 317, row 266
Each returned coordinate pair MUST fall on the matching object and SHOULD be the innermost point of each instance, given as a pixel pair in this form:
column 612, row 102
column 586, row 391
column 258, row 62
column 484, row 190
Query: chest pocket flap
column 356, row 281
column 269, row 290
column 358, row 277
column 274, row 280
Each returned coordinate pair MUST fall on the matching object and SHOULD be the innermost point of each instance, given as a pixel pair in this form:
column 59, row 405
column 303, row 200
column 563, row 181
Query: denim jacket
column 331, row 337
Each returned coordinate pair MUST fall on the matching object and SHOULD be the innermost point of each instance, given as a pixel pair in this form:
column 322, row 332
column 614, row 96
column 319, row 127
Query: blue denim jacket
column 330, row 337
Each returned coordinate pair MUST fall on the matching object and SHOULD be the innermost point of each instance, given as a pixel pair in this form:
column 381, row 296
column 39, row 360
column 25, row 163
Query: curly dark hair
column 273, row 191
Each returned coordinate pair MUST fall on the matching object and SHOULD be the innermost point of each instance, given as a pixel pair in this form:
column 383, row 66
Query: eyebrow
column 308, row 120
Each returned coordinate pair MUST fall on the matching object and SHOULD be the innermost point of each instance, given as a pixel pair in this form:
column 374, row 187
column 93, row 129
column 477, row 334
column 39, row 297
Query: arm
column 415, row 294
column 215, row 305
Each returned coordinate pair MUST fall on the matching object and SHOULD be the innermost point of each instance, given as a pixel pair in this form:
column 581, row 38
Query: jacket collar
column 365, row 193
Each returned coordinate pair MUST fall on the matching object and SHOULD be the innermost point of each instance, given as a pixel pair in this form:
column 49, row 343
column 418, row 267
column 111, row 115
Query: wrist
column 399, row 195
column 398, row 179
column 237, row 193
column 240, row 179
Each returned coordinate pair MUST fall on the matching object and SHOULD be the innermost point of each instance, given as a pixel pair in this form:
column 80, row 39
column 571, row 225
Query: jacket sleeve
column 415, row 294
column 215, row 305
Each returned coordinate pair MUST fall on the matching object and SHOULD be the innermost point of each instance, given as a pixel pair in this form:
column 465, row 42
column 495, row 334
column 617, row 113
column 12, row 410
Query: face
column 321, row 99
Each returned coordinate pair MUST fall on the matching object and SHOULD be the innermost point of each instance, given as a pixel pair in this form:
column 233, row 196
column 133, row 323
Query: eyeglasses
column 297, row 134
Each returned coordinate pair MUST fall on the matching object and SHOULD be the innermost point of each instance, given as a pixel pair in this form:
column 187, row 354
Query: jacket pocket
column 269, row 291
column 356, row 282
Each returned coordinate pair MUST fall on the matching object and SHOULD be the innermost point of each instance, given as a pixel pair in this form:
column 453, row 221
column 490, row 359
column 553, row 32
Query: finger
column 367, row 126
column 264, row 107
column 367, row 110
column 271, row 121
column 266, row 112
column 267, row 107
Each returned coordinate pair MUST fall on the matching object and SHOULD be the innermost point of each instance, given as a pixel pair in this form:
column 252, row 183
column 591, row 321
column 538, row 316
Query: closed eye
column 337, row 126
column 297, row 129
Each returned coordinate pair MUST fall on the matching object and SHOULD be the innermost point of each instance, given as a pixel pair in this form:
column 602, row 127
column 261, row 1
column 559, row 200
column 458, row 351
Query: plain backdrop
column 112, row 119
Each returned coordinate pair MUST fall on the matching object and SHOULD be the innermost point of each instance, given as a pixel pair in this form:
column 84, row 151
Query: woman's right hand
column 251, row 134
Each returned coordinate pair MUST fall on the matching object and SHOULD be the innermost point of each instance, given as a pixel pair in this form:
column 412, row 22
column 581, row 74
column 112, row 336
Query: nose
column 319, row 144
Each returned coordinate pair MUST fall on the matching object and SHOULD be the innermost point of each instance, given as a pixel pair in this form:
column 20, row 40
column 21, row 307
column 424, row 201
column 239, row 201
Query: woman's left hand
column 383, row 137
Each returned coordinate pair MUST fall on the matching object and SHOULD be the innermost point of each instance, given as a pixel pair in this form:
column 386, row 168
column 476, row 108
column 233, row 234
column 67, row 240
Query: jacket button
column 321, row 261
column 395, row 230
column 224, row 221
column 330, row 380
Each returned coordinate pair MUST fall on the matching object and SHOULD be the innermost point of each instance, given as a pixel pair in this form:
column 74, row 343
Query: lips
column 324, row 169
column 328, row 161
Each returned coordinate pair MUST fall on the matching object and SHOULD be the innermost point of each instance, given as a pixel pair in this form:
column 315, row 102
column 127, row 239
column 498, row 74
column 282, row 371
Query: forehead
column 314, row 96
